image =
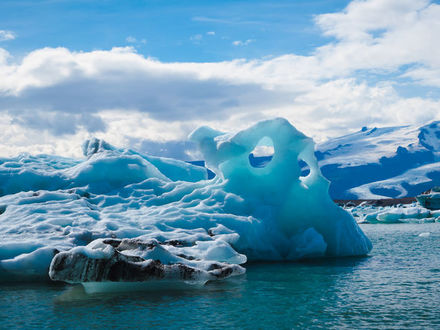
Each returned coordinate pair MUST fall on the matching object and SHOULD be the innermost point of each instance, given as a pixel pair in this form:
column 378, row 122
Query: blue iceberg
column 119, row 215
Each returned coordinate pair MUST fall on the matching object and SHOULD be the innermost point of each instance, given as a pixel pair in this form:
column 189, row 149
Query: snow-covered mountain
column 382, row 162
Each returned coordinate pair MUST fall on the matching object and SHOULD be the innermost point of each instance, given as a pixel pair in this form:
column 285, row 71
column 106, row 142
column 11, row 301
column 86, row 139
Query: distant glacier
column 382, row 162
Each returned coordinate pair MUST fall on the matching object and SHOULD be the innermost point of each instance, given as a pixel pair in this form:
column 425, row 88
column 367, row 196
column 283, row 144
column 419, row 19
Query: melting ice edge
column 124, row 216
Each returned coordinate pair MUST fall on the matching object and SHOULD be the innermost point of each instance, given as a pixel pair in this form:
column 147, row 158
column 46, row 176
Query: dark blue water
column 397, row 286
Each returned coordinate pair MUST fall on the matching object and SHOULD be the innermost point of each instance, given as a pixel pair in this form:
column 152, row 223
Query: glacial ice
column 409, row 213
column 383, row 162
column 122, row 216
column 431, row 200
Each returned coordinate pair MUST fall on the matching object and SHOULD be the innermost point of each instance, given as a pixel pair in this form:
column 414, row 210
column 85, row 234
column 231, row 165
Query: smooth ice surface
column 52, row 204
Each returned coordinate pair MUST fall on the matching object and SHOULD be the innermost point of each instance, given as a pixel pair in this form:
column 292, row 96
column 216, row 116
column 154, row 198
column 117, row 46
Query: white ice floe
column 122, row 216
column 409, row 213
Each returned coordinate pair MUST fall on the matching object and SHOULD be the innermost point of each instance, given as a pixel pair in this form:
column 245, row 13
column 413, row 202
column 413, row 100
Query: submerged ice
column 122, row 216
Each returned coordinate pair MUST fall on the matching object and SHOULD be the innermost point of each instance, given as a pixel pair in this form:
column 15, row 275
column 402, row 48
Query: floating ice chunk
column 400, row 214
column 28, row 265
column 430, row 201
column 141, row 216
column 219, row 250
column 406, row 213
column 118, row 260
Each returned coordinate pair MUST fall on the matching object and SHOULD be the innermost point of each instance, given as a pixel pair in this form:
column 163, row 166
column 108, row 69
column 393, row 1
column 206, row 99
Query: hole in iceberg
column 262, row 154
column 304, row 168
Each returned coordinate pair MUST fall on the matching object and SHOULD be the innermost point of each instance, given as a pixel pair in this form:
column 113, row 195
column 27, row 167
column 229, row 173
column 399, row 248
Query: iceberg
column 120, row 216
column 430, row 199
column 406, row 213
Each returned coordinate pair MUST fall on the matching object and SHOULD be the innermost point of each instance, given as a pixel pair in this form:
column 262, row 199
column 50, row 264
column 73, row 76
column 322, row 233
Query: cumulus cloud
column 342, row 105
column 59, row 124
column 79, row 83
column 6, row 35
column 131, row 100
column 381, row 35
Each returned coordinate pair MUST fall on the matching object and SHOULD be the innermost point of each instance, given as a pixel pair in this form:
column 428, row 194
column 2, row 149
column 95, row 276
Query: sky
column 143, row 74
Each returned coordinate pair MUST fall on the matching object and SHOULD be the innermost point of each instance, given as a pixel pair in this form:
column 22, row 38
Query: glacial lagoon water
column 396, row 286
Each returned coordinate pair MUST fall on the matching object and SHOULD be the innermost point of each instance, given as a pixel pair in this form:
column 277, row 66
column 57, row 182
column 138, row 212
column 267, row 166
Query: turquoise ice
column 52, row 206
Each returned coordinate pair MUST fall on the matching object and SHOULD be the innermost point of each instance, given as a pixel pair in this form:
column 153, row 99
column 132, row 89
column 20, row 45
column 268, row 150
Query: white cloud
column 210, row 33
column 53, row 87
column 196, row 38
column 52, row 98
column 341, row 105
column 360, row 18
column 380, row 35
column 6, row 35
column 133, row 40
column 242, row 43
